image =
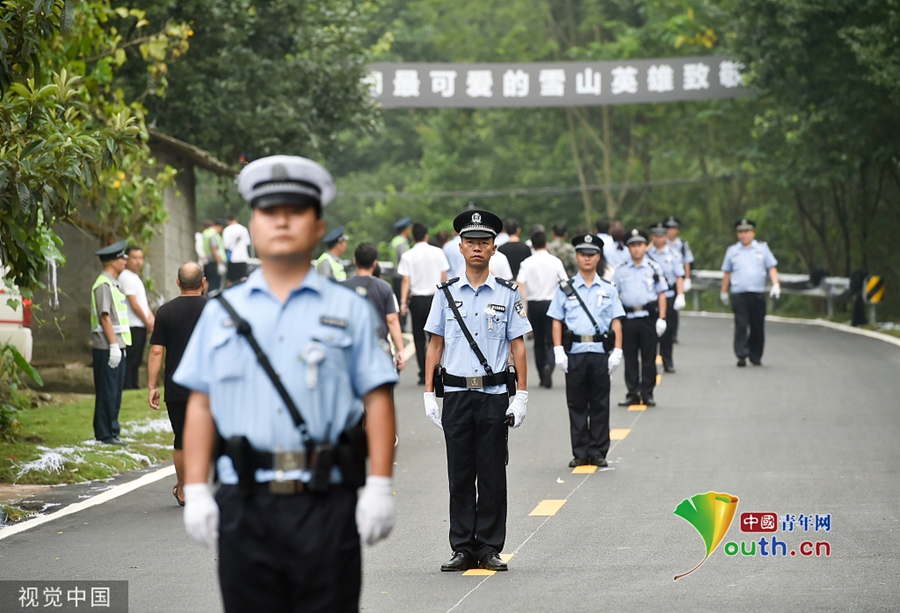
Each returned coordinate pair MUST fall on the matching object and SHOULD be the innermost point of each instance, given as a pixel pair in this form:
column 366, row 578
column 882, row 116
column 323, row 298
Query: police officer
column 673, row 226
column 580, row 303
column 287, row 536
column 110, row 335
column 329, row 264
column 642, row 288
column 476, row 391
column 746, row 264
column 216, row 265
column 673, row 271
column 399, row 245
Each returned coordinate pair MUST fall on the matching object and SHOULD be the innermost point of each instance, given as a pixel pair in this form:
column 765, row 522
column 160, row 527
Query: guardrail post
column 872, row 319
column 696, row 295
column 829, row 297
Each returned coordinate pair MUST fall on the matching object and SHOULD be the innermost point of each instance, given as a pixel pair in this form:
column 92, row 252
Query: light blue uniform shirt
column 683, row 249
column 601, row 298
column 670, row 261
column 319, row 317
column 636, row 285
column 494, row 315
column 614, row 256
column 454, row 258
column 748, row 266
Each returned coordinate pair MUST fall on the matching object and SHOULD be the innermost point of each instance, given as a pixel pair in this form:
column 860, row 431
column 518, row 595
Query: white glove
column 201, row 514
column 775, row 292
column 560, row 358
column 115, row 356
column 687, row 284
column 518, row 408
column 660, row 327
column 222, row 268
column 723, row 296
column 375, row 510
column 679, row 302
column 432, row 410
column 615, row 358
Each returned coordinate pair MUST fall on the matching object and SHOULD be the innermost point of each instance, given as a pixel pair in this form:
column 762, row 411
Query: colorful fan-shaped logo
column 711, row 515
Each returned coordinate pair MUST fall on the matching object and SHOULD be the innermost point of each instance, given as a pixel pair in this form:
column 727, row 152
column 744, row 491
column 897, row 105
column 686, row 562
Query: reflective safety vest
column 337, row 269
column 208, row 235
column 121, row 304
column 396, row 242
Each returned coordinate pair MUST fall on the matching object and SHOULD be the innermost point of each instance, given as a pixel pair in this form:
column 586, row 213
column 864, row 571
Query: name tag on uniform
column 601, row 297
column 333, row 321
column 500, row 308
column 458, row 303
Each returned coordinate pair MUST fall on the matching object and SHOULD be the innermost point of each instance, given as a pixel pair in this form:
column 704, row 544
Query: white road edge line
column 110, row 494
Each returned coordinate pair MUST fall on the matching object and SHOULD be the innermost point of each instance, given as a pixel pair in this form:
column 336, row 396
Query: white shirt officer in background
column 236, row 240
column 746, row 265
column 140, row 317
column 282, row 548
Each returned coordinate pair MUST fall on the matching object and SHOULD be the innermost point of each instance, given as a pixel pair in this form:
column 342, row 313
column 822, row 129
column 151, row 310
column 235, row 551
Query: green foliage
column 12, row 398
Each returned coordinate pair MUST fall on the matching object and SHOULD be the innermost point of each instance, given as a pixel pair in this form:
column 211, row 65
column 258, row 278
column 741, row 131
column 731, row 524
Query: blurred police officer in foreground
column 746, row 264
column 681, row 247
column 590, row 309
column 110, row 335
column 673, row 271
column 290, row 527
column 642, row 288
column 476, row 391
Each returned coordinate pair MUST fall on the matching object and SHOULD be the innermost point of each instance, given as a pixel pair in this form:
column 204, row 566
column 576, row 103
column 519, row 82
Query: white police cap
column 285, row 179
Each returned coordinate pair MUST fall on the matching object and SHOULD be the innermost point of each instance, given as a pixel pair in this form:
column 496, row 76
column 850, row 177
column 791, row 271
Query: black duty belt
column 498, row 378
column 588, row 338
column 650, row 306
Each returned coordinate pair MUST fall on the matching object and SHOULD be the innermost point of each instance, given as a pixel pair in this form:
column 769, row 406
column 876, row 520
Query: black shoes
column 578, row 462
column 630, row 399
column 756, row 362
column 742, row 362
column 669, row 369
column 598, row 461
column 493, row 562
column 649, row 401
column 112, row 441
column 461, row 561
column 546, row 377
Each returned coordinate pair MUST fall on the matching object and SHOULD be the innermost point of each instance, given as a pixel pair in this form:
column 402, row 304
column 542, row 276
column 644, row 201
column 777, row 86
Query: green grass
column 67, row 429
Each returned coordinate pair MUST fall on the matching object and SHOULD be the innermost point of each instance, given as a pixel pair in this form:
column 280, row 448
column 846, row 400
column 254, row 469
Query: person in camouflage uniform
column 563, row 249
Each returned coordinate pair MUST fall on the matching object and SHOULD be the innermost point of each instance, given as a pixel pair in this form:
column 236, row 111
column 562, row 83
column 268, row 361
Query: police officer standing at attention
column 110, row 335
column 280, row 370
column 673, row 227
column 590, row 308
column 746, row 264
column 329, row 264
column 475, row 322
column 642, row 288
column 673, row 271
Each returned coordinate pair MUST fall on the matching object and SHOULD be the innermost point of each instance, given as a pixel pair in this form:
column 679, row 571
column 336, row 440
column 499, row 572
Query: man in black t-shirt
column 175, row 322
column 515, row 250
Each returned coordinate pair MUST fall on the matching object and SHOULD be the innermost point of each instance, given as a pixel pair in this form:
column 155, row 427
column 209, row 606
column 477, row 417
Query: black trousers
column 419, row 307
column 134, row 358
column 543, row 335
column 397, row 284
column 476, row 434
column 639, row 338
column 587, row 394
column 667, row 340
column 108, row 384
column 177, row 412
column 289, row 554
column 749, row 312
column 213, row 279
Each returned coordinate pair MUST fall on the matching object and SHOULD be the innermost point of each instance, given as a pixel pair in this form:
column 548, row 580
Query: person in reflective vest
column 329, row 263
column 110, row 335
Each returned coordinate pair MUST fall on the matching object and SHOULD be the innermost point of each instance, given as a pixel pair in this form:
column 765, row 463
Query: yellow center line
column 637, row 407
column 584, row 470
column 658, row 379
column 547, row 508
column 659, row 359
column 619, row 434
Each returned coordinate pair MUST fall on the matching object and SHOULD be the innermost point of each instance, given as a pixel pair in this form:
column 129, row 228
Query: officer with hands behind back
column 642, row 287
column 475, row 322
column 279, row 373
column 590, row 309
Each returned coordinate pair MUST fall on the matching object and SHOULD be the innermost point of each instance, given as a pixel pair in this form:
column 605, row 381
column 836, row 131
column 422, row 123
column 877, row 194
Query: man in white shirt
column 236, row 240
column 421, row 268
column 140, row 317
column 539, row 277
column 499, row 266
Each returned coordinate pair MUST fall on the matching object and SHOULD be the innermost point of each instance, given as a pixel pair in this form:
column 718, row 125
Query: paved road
column 814, row 431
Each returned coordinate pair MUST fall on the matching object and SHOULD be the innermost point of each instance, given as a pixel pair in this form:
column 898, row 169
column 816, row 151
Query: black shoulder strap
column 510, row 284
column 445, row 287
column 244, row 329
column 580, row 301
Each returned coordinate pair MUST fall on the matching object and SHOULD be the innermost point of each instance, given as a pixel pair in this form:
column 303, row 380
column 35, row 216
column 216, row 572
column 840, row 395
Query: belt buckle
column 587, row 338
column 289, row 460
column 474, row 382
column 286, row 488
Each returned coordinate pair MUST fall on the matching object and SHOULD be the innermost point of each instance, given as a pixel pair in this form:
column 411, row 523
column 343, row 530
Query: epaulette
column 510, row 284
column 654, row 265
column 621, row 264
column 448, row 283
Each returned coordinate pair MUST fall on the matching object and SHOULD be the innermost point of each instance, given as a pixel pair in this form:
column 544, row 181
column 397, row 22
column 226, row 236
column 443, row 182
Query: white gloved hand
column 775, row 292
column 375, row 510
column 222, row 268
column 560, row 358
column 687, row 284
column 660, row 327
column 679, row 302
column 615, row 358
column 723, row 296
column 115, row 356
column 201, row 514
column 518, row 408
column 432, row 410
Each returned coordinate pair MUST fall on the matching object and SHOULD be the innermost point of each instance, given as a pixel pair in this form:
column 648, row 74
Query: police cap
column 659, row 228
column 587, row 243
column 285, row 180
column 335, row 236
column 636, row 236
column 113, row 252
column 477, row 223
column 402, row 224
column 672, row 222
column 744, row 224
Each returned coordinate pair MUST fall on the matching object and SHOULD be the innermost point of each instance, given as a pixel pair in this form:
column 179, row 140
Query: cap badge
column 476, row 217
column 279, row 172
column 589, row 239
